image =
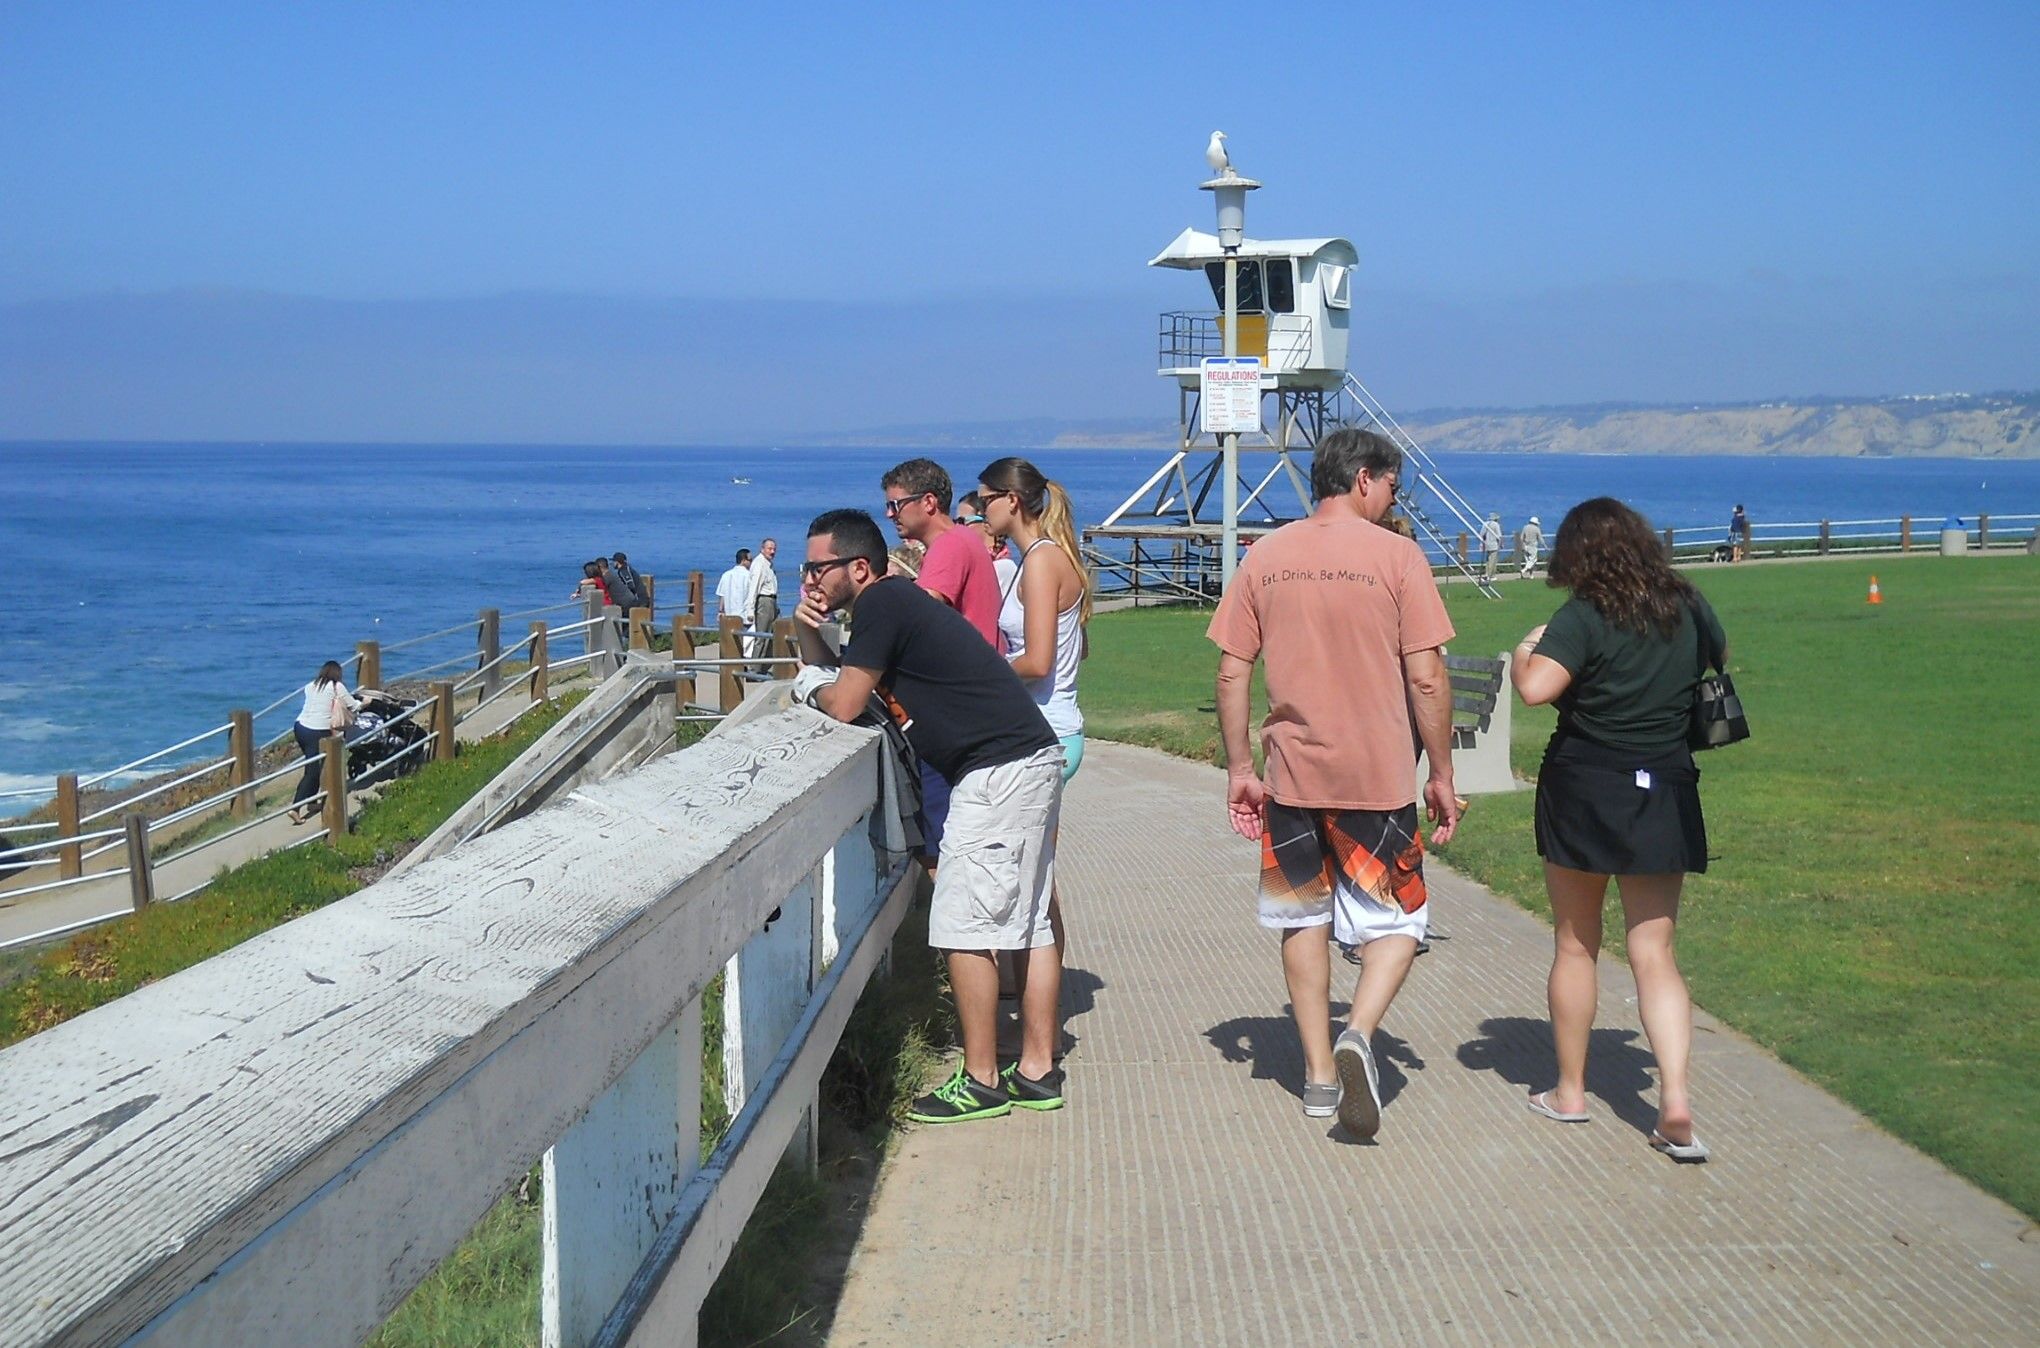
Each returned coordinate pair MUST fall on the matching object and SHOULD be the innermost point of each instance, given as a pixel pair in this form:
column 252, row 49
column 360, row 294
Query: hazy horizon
column 623, row 225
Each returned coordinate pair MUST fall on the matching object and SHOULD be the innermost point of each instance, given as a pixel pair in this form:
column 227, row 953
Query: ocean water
column 145, row 590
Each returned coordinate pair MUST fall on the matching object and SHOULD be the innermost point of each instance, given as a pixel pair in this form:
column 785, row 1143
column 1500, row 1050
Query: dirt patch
column 385, row 858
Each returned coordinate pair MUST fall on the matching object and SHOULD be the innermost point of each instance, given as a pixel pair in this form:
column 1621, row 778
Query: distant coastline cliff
column 1953, row 425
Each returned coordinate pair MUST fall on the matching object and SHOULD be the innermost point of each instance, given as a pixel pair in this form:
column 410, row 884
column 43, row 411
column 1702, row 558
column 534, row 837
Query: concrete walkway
column 1182, row 1196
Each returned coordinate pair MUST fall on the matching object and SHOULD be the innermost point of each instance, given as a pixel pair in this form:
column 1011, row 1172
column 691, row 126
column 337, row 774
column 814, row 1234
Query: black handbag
column 1717, row 708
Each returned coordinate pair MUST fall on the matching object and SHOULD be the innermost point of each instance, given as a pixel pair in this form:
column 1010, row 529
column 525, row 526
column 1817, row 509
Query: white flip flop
column 1696, row 1150
column 1538, row 1106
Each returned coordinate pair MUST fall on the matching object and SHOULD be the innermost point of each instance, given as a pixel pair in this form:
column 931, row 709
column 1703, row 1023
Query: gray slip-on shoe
column 1359, row 1084
column 1320, row 1099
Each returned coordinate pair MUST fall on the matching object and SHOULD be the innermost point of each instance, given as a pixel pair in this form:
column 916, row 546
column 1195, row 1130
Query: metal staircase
column 1434, row 507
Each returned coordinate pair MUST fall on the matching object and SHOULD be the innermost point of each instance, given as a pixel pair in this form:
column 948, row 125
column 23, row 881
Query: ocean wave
column 32, row 788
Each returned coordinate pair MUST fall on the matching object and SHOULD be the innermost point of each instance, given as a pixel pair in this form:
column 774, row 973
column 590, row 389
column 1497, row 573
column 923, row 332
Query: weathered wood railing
column 276, row 1145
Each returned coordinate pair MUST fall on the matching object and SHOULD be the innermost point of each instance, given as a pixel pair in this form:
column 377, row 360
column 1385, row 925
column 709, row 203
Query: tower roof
column 1193, row 248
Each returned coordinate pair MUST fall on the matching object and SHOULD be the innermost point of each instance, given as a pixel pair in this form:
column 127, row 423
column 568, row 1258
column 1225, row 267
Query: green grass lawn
column 1874, row 913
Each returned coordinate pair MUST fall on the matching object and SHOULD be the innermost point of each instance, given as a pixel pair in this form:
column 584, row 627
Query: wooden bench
column 1481, row 707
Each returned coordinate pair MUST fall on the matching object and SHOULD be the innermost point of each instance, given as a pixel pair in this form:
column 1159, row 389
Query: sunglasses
column 970, row 519
column 893, row 508
column 816, row 570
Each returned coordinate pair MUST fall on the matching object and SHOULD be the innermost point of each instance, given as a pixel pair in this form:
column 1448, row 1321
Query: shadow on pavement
column 1519, row 1050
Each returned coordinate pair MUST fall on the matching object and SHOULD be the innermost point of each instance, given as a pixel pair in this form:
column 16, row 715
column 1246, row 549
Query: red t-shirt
column 958, row 571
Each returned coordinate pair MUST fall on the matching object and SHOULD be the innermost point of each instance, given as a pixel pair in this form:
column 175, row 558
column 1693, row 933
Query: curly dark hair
column 1608, row 555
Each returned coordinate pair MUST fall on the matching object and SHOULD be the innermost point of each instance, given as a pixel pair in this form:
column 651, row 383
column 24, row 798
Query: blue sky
column 211, row 209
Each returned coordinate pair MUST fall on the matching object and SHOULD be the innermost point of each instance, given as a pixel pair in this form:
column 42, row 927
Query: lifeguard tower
column 1294, row 311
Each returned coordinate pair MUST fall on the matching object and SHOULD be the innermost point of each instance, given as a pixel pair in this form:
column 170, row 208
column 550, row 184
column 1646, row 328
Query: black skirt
column 1614, row 811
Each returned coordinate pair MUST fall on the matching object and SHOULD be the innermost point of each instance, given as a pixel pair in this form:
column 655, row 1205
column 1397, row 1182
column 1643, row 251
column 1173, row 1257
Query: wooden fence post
column 442, row 719
column 141, row 878
column 1905, row 533
column 539, row 691
column 1982, row 533
column 489, row 643
column 70, row 857
column 641, row 629
column 651, row 592
column 368, row 674
column 1826, row 537
column 789, row 649
column 1136, row 573
column 1462, row 548
column 1670, row 546
column 241, row 748
column 731, row 688
column 591, row 635
column 333, row 780
column 697, row 599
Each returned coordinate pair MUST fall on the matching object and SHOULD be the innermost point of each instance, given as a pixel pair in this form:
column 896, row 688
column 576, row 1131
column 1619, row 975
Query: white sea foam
column 34, row 789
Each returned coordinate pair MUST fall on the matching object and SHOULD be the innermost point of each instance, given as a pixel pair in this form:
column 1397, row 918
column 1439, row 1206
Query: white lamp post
column 1230, row 191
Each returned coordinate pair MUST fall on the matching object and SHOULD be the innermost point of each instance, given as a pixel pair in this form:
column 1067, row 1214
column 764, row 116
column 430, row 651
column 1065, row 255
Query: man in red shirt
column 956, row 569
column 1346, row 620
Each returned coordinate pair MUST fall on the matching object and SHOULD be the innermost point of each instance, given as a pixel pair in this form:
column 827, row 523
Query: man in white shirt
column 1528, row 540
column 764, row 597
column 733, row 590
column 1491, row 544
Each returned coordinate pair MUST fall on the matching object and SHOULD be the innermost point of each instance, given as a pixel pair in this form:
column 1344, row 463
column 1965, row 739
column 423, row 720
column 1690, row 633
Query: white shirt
column 1491, row 536
column 1056, row 691
column 733, row 592
column 764, row 580
column 318, row 709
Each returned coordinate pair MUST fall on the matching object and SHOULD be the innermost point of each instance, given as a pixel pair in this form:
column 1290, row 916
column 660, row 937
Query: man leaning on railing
column 968, row 716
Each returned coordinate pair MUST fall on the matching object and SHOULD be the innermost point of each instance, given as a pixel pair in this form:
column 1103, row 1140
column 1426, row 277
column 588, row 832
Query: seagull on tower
column 1215, row 155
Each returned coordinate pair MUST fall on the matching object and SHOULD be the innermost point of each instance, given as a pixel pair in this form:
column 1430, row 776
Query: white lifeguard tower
column 1294, row 311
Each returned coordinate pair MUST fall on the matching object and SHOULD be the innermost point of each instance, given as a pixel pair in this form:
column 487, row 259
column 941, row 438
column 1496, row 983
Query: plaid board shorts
column 1360, row 870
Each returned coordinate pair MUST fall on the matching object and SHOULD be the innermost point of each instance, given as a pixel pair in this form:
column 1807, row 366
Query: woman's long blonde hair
column 1042, row 499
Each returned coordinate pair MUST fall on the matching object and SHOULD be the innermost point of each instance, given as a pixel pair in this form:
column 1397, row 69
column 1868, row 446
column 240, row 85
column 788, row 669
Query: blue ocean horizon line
column 237, row 573
column 911, row 449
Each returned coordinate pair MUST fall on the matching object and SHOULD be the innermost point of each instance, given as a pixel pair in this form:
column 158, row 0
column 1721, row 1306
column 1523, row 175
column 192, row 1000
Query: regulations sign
column 1230, row 394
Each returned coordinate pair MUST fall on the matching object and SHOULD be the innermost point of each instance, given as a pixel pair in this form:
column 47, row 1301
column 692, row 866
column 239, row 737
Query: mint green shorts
column 1073, row 754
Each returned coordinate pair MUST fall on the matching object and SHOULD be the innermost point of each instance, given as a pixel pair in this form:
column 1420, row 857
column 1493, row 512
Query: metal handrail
column 64, row 884
column 123, row 806
column 534, row 612
column 470, row 625
column 97, row 778
column 469, row 681
column 68, row 840
column 233, row 832
column 512, row 686
column 429, row 669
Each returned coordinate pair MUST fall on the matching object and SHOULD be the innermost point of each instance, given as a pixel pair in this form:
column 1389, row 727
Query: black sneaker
column 959, row 1100
column 1042, row 1092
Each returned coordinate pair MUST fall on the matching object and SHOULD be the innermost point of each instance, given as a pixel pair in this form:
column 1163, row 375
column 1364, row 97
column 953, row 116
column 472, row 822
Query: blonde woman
column 1044, row 608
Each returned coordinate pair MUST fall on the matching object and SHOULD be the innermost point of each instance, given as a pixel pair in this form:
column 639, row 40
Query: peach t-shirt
column 1331, row 605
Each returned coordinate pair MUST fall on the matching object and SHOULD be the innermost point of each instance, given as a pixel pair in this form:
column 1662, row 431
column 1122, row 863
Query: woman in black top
column 1618, row 793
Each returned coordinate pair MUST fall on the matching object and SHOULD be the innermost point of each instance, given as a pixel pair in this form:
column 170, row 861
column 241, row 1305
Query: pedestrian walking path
column 1182, row 1197
column 26, row 915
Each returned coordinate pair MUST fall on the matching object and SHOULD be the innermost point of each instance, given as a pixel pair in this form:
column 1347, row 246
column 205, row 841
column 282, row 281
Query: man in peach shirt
column 1349, row 624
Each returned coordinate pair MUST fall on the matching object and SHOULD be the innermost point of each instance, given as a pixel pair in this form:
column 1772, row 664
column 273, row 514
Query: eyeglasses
column 816, row 570
column 894, row 507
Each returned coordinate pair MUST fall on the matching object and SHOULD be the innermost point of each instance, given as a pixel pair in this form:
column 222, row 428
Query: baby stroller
column 377, row 740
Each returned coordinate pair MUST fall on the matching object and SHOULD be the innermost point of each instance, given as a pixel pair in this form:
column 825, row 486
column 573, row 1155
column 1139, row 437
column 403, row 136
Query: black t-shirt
column 966, row 708
column 1629, row 690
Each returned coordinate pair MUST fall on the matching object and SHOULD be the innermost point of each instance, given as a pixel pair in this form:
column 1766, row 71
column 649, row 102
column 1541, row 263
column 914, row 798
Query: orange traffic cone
column 1875, row 597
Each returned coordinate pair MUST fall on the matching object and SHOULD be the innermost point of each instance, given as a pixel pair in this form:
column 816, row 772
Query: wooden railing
column 276, row 1145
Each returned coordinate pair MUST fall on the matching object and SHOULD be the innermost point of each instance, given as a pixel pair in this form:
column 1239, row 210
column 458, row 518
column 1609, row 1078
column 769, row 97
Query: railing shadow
column 1519, row 1050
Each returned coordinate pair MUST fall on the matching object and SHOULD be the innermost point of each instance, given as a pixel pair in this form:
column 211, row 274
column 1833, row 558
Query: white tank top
column 1056, row 691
